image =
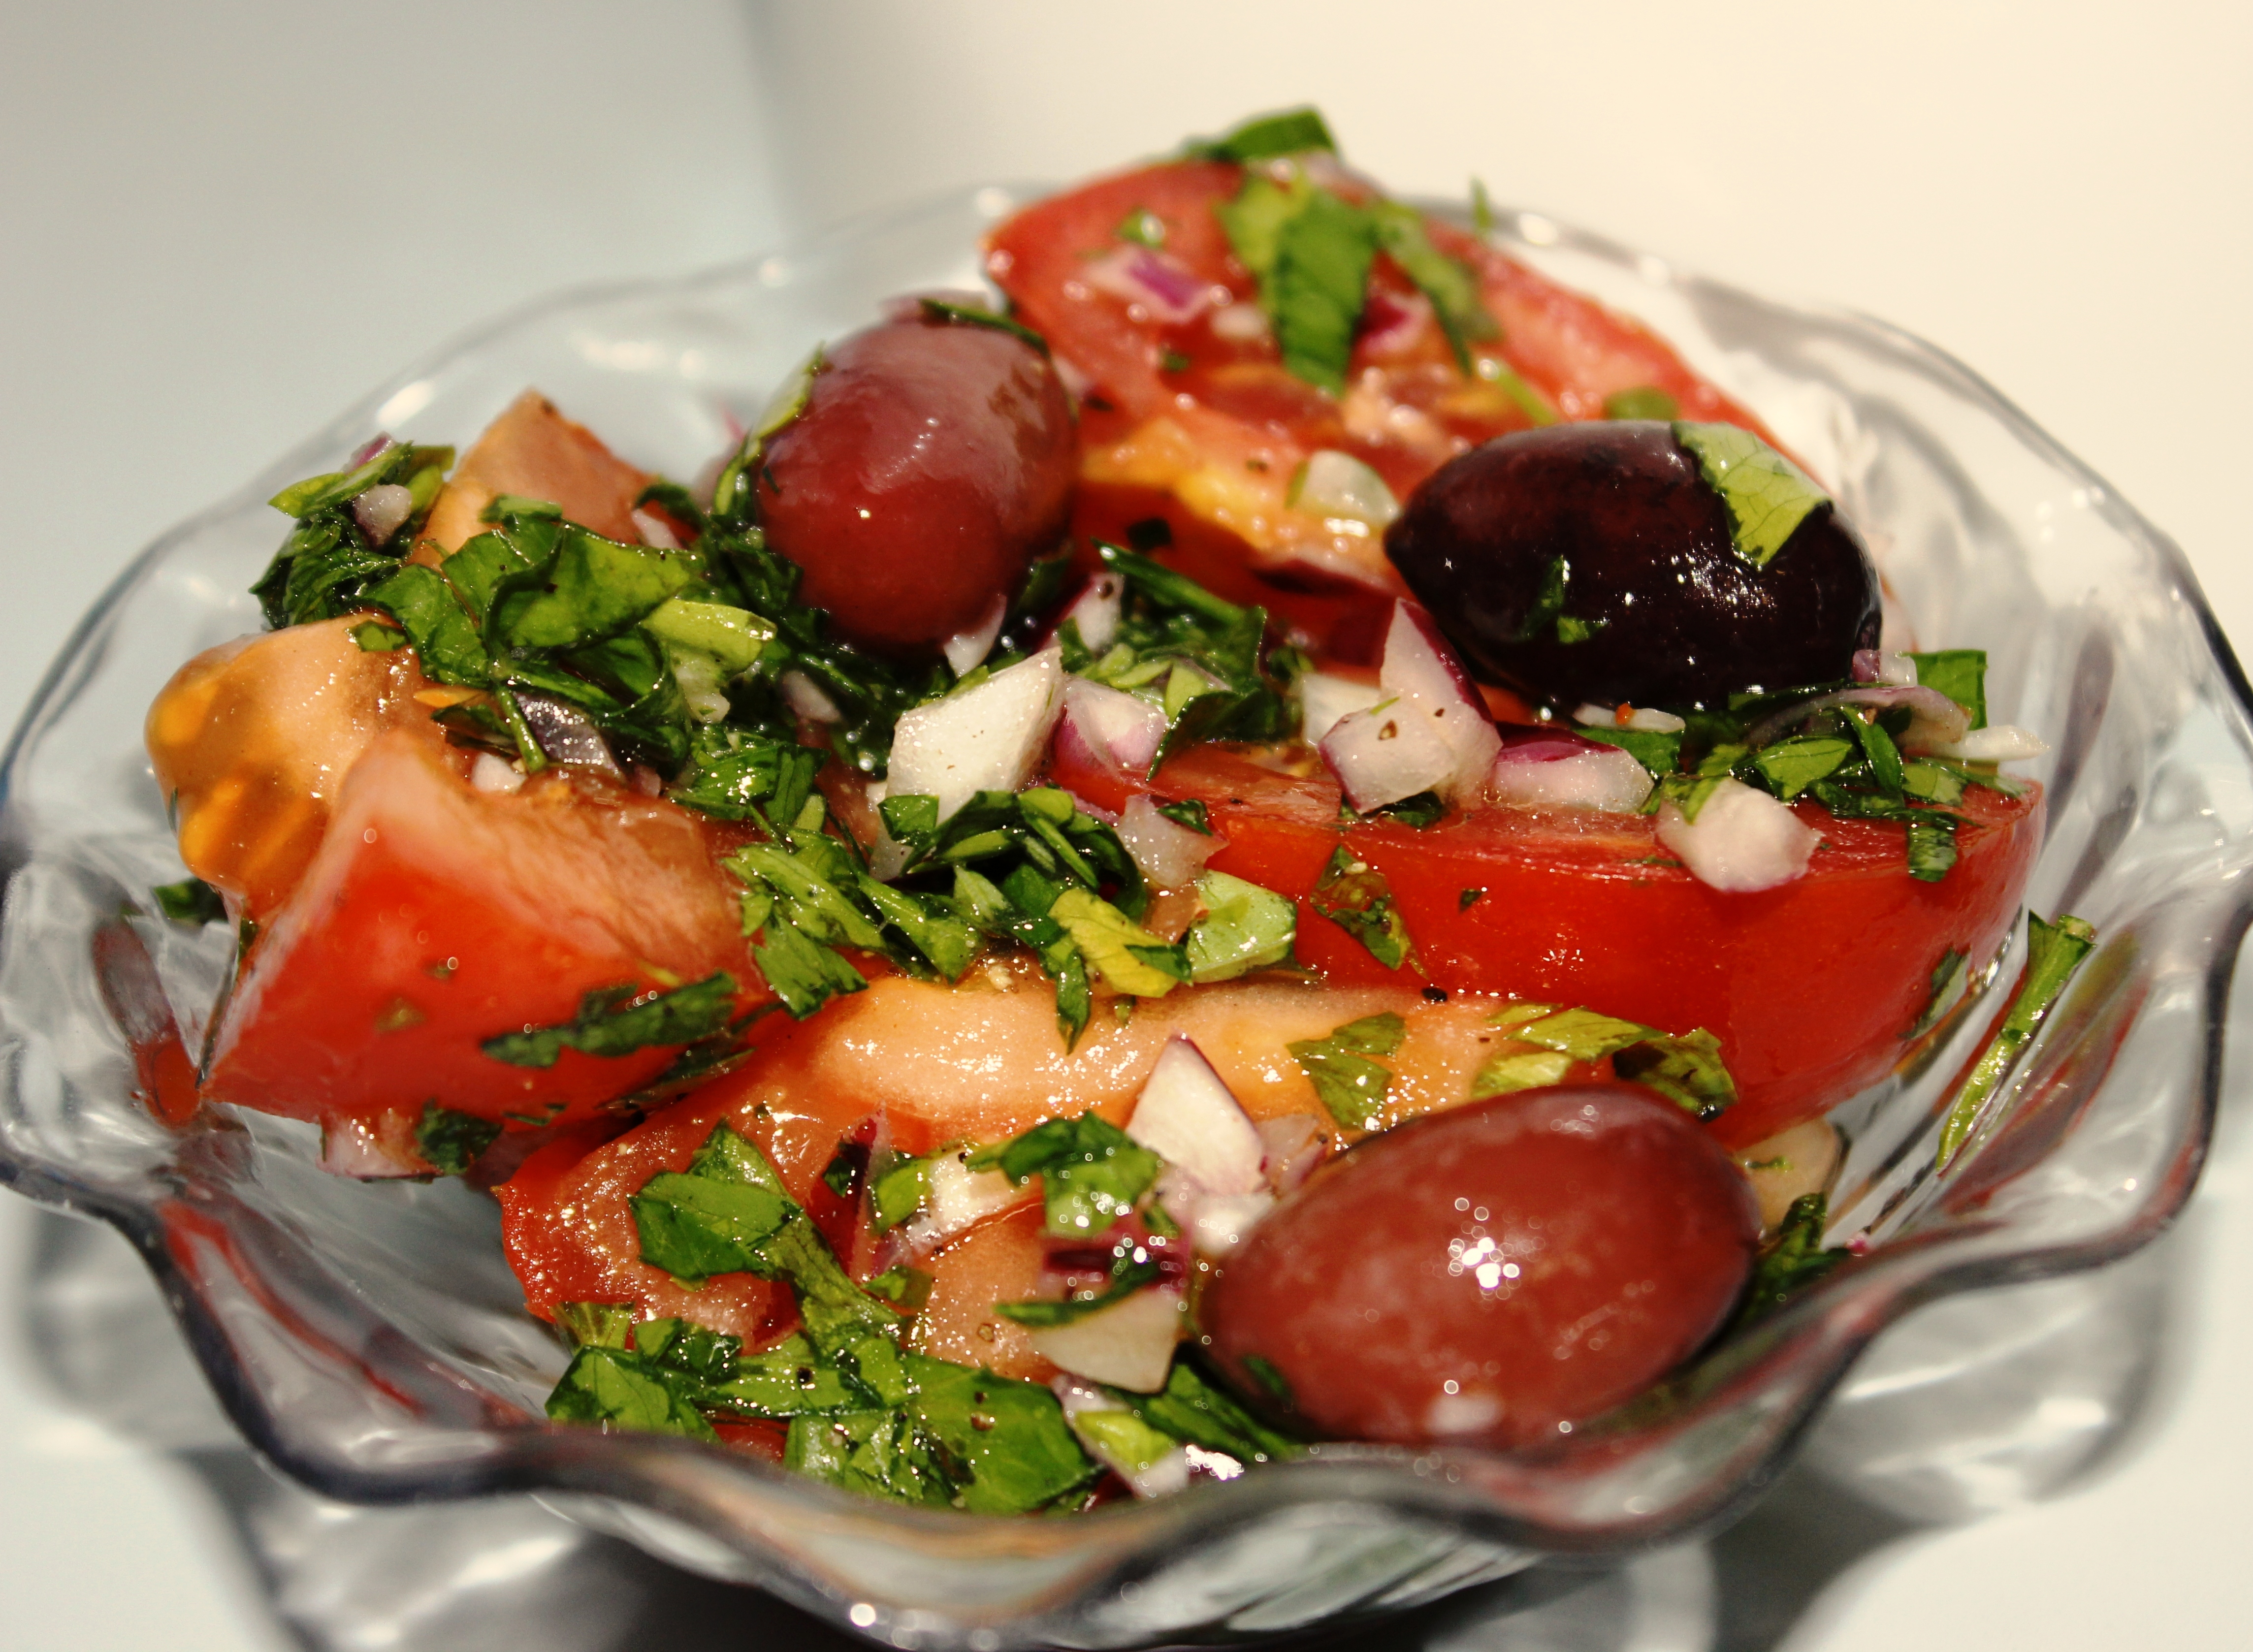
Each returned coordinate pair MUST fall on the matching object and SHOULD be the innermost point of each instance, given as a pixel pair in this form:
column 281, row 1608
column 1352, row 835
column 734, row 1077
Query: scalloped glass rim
column 369, row 1341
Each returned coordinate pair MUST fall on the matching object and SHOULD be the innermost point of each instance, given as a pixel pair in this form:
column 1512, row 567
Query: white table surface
column 219, row 224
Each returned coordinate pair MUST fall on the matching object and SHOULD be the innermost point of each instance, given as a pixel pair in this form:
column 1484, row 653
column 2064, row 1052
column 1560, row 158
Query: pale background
column 220, row 224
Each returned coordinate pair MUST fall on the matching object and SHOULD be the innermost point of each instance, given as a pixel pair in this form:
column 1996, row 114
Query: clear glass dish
column 370, row 1342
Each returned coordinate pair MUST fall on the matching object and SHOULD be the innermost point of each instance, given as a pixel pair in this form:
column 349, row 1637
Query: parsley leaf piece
column 1130, row 958
column 1768, row 496
column 449, row 1141
column 1123, row 1440
column 591, row 589
column 1244, row 928
column 1950, row 980
column 804, row 974
column 732, row 635
column 1644, row 401
column 1931, row 844
column 1877, row 749
column 1358, row 900
column 1351, row 1085
column 597, row 1324
column 190, row 901
column 906, row 1288
column 1961, row 673
column 968, row 315
column 1526, row 1069
column 603, row 1028
column 446, row 643
column 2055, row 952
column 733, row 490
column 373, row 636
column 694, row 1227
column 1580, row 1034
column 786, row 1379
column 734, row 773
column 1659, row 753
column 1043, row 1312
column 1793, row 1260
column 1189, row 813
column 1264, row 136
column 1318, row 284
column 1426, row 808
column 898, row 1194
column 1932, row 781
column 612, row 1386
column 1091, row 1172
column 1196, row 1413
column 1685, row 1068
column 1789, row 767
column 1005, row 1444
column 1451, row 285
column 874, row 1452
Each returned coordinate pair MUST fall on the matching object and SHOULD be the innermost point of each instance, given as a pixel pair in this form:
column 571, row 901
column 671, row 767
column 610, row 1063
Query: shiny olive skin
column 932, row 460
column 1684, row 620
column 1494, row 1274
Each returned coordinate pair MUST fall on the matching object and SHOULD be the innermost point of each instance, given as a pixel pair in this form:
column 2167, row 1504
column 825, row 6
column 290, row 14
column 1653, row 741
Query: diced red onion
column 382, row 510
column 1935, row 720
column 1189, row 1118
column 377, row 443
column 1095, row 611
column 1168, row 854
column 1422, row 669
column 1324, row 698
column 1601, row 778
column 967, row 649
column 1391, row 752
column 1129, row 1345
column 1294, row 1147
column 1121, row 730
column 1391, row 323
column 1542, row 743
column 1172, row 294
column 1742, row 840
column 1893, row 670
column 986, row 738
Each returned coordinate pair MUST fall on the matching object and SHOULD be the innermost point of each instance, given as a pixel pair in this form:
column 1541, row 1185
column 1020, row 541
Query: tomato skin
column 1809, row 986
column 1489, row 1275
column 932, row 462
column 435, row 918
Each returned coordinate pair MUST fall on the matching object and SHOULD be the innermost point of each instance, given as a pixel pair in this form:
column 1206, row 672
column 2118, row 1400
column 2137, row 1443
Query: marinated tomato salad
column 1283, row 834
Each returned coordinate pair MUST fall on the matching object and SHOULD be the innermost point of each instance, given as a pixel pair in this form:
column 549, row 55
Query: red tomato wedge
column 1185, row 390
column 435, row 917
column 1809, row 986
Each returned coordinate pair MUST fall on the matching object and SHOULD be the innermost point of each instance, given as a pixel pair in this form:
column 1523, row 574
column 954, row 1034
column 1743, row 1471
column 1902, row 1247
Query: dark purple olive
column 1592, row 562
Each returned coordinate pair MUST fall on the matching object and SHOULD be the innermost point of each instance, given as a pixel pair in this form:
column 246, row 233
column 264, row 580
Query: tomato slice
column 1811, row 987
column 435, row 917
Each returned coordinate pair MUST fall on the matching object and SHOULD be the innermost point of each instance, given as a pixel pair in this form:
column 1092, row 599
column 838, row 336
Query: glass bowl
column 369, row 1341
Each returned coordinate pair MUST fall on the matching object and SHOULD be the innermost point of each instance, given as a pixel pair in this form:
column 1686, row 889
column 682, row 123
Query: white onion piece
column 1641, row 718
column 1223, row 1219
column 967, row 649
column 986, row 738
column 1294, row 1147
column 955, row 1197
column 1095, row 611
column 492, row 773
column 653, row 531
column 1167, row 853
column 2002, row 742
column 1337, row 485
column 806, row 699
column 1189, row 1118
column 1244, row 324
column 1743, row 840
column 1609, row 779
column 382, row 510
column 1121, row 730
column 1142, row 275
column 1323, row 698
column 1129, row 1345
column 1421, row 668
column 1385, row 754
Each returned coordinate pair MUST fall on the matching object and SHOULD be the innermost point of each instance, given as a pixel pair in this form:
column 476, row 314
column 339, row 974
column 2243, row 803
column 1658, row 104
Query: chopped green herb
column 1143, row 228
column 1768, row 496
column 597, row 1324
column 1129, row 957
column 1790, row 767
column 1426, row 808
column 898, row 1194
column 1451, row 285
column 1266, row 1372
column 1311, row 253
column 1043, row 1314
column 1793, row 1260
column 1644, row 401
column 1961, row 673
column 449, row 1141
column 1244, row 928
column 1091, row 1172
column 614, row 1387
column 2054, row 952
column 1467, row 899
column 609, row 1023
column 1685, row 1068
column 940, row 309
column 1359, row 900
column 328, row 559
column 1195, row 1411
column 374, row 638
column 1189, row 813
column 1265, row 137
column 1950, row 979
column 190, row 901
column 1350, row 1085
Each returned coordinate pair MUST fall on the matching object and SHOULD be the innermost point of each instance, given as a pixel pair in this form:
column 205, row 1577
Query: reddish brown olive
column 1593, row 562
column 1495, row 1274
column 932, row 460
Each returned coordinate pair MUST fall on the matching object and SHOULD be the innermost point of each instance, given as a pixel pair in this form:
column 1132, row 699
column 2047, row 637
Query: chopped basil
column 1659, row 752
column 1931, row 782
column 612, row 1386
column 898, row 1193
column 1244, row 928
column 1793, row 1260
column 1130, row 958
column 1091, row 1172
column 1961, row 673
column 597, row 1324
column 1466, row 899
column 1644, row 401
column 190, row 901
column 449, row 1141
column 1265, row 137
column 2054, row 952
column 1451, row 285
column 1143, row 228
column 970, row 316
column 373, row 636
column 1931, row 832
column 328, row 559
column 1195, row 1411
column 1351, row 1085
column 1426, row 808
column 1685, row 1068
column 1482, row 217
column 1768, row 496
column 1189, row 813
column 904, row 1287
column 1123, row 1440
column 445, row 640
column 609, row 1023
column 786, row 1379
column 1950, row 979
column 1790, row 767
column 1877, row 749
column 1043, row 1314
column 1358, row 900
